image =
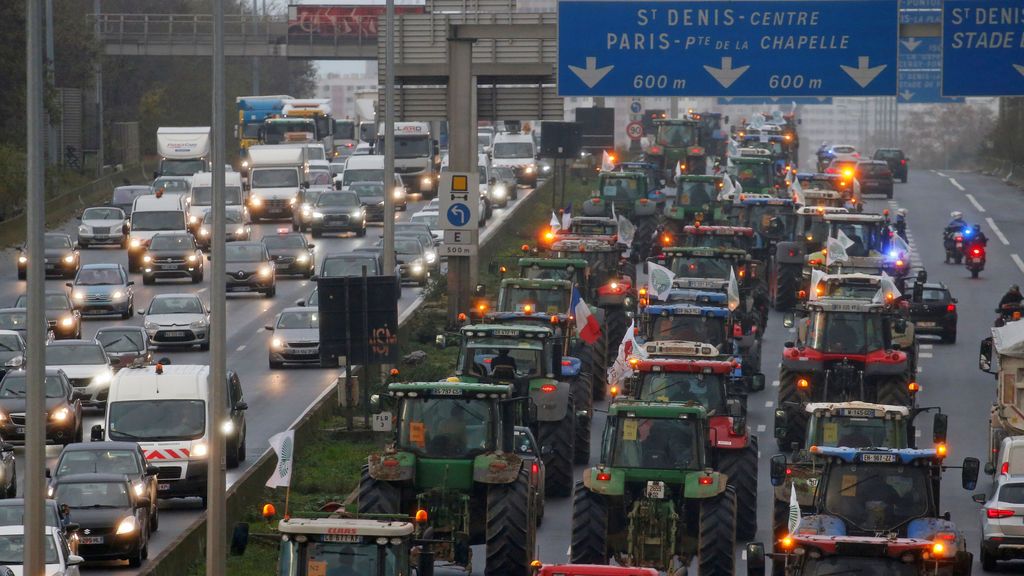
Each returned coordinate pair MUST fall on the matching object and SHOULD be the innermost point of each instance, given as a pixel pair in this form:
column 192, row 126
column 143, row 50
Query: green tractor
column 528, row 358
column 696, row 201
column 678, row 145
column 755, row 174
column 625, row 194
column 810, row 233
column 653, row 500
column 453, row 467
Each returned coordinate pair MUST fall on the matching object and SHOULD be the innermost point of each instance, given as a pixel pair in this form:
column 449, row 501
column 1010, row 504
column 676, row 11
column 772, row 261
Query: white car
column 845, row 152
column 86, row 365
column 1002, row 531
column 431, row 219
column 177, row 320
column 103, row 225
column 58, row 557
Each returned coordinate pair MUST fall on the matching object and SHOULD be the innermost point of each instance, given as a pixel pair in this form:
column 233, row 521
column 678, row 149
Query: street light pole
column 389, row 138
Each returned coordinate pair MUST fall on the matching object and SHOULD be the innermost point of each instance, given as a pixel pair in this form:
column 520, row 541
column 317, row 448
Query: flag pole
column 287, row 496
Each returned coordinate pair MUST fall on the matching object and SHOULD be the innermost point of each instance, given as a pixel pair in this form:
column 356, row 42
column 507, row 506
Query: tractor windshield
column 697, row 193
column 615, row 187
column 446, row 427
column 534, row 300
column 874, row 498
column 684, row 267
column 677, row 135
column 705, row 389
column 300, row 557
column 832, row 565
column 863, row 236
column 548, row 273
column 691, row 327
column 852, row 291
column 718, row 241
column 755, row 176
column 858, row 432
column 768, row 219
column 846, row 332
column 525, row 359
column 662, row 443
column 581, row 227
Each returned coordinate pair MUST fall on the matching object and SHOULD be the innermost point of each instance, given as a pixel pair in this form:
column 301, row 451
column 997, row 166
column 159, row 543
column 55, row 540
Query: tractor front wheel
column 511, row 527
column 893, row 391
column 377, row 496
column 559, row 436
column 787, row 284
column 741, row 468
column 589, row 543
column 717, row 541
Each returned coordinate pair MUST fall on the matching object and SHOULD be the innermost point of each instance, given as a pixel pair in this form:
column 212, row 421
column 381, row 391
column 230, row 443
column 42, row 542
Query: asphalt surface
column 276, row 398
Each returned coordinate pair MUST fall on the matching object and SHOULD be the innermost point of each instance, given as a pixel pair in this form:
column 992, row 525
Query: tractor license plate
column 857, row 412
column 977, row 260
column 878, row 458
column 926, row 324
column 655, row 489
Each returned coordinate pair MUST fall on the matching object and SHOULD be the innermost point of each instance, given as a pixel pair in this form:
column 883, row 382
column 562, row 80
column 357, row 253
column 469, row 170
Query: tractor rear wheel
column 796, row 421
column 589, row 527
column 559, row 436
column 511, row 527
column 582, row 391
column 717, row 540
column 616, row 323
column 741, row 468
column 893, row 391
column 643, row 238
column 601, row 355
column 377, row 496
column 787, row 284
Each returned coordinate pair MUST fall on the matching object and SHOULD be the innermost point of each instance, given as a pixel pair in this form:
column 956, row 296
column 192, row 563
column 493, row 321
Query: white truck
column 417, row 155
column 275, row 178
column 183, row 150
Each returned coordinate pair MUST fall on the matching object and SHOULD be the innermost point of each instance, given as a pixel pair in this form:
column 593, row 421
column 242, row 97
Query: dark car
column 413, row 263
column 338, row 212
column 12, row 351
column 896, row 160
column 113, row 521
column 60, row 256
column 248, row 268
column 16, row 319
column 12, row 513
column 351, row 264
column 236, row 224
column 291, row 253
column 874, row 177
column 371, row 195
column 935, row 313
column 61, row 315
column 302, row 216
column 118, row 458
column 124, row 197
column 125, row 345
column 172, row 255
column 426, row 238
column 63, row 408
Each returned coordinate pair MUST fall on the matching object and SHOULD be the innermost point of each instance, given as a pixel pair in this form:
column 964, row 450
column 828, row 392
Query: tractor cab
column 814, row 197
column 734, row 237
column 678, row 147
column 534, row 297
column 773, row 219
column 689, row 322
column 811, row 227
column 626, row 191
column 717, row 264
column 701, row 381
column 753, row 171
column 593, row 226
column 696, row 199
column 655, row 182
column 345, row 546
column 572, row 269
column 858, row 425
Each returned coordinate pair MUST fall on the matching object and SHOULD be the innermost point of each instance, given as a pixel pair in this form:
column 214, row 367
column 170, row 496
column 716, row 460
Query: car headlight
column 266, row 271
column 83, row 229
column 12, row 363
column 255, row 201
column 240, row 231
column 60, row 415
column 417, row 267
column 117, row 295
column 79, row 296
column 292, row 201
column 150, row 325
column 302, row 258
column 69, row 258
column 277, row 343
column 398, row 194
column 140, row 488
column 530, row 169
column 193, row 220
column 245, row 163
column 431, row 257
column 306, row 209
column 147, row 258
column 204, row 231
column 67, row 321
column 357, row 213
column 192, row 258
column 135, row 243
column 199, row 324
column 318, row 215
column 199, row 450
column 49, row 491
column 127, row 526
column 22, row 259
column 228, row 427
column 102, row 378
column 500, row 192
column 545, row 168
column 425, row 180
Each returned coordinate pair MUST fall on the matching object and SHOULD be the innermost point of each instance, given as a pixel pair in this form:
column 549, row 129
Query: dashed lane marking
column 1016, row 260
column 997, row 231
column 941, row 174
column 920, row 370
column 926, row 346
column 925, row 355
column 917, row 433
column 775, row 383
column 956, row 184
column 769, row 404
column 240, row 348
column 761, row 427
column 974, row 201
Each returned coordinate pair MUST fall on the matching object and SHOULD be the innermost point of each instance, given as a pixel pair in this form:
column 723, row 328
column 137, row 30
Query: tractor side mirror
column 480, row 290
column 788, row 319
column 755, row 559
column 756, row 382
column 985, row 356
column 781, row 423
column 901, row 326
column 969, row 473
column 778, row 469
column 441, row 341
column 940, row 426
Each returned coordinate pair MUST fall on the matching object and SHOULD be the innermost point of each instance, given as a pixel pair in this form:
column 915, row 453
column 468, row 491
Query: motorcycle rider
column 957, row 224
column 977, row 237
column 901, row 223
column 1013, row 297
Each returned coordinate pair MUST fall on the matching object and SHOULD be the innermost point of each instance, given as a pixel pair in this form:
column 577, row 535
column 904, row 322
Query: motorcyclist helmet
column 956, row 215
column 901, row 212
column 1015, row 288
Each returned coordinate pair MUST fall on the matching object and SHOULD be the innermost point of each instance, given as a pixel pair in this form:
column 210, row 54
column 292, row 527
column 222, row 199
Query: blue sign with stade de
column 727, row 48
column 983, row 48
column 775, row 101
column 920, row 72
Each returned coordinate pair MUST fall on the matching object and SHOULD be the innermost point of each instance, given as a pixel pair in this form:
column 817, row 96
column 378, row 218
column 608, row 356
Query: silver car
column 295, row 337
column 103, row 225
column 87, row 367
column 177, row 320
column 1001, row 522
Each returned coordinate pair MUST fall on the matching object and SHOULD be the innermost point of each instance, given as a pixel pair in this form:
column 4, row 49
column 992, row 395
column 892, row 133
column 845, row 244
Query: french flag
column 587, row 328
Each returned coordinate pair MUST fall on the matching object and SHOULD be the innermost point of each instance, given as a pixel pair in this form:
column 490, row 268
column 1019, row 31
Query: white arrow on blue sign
column 983, row 48
column 920, row 72
column 727, row 48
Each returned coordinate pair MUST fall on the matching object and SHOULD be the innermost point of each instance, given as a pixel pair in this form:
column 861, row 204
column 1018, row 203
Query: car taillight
column 951, row 308
column 998, row 513
column 976, row 251
column 903, row 162
column 535, row 469
column 548, row 388
column 1005, row 468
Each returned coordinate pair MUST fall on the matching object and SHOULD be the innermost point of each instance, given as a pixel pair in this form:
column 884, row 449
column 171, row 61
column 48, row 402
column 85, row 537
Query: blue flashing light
column 967, row 231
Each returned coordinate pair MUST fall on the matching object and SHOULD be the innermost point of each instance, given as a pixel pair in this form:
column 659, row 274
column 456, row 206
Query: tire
column 892, row 391
column 787, row 284
column 79, row 434
column 12, row 490
column 148, row 280
column 316, row 233
column 974, row 273
column 140, row 555
column 559, row 436
column 589, row 543
column 797, row 419
column 511, row 527
column 242, row 447
column 375, row 496
column 275, row 365
column 741, row 468
column 204, row 347
column 949, row 337
column 83, row 245
column 958, row 258
column 600, row 360
column 197, row 278
column 644, row 236
column 616, row 322
column 271, row 292
column 295, row 226
column 717, row 539
column 154, row 518
column 231, row 457
column 988, row 562
column 22, row 274
column 582, row 394
column 129, row 312
column 361, row 233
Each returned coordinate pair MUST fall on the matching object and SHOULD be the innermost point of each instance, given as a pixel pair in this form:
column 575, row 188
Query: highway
column 276, row 398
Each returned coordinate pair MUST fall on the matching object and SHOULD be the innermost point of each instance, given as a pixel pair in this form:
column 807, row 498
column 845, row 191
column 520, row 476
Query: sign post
column 982, row 48
column 727, row 48
column 458, row 196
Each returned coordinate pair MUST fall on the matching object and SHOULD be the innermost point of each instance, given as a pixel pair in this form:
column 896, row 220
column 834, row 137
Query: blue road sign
column 727, row 48
column 459, row 214
column 635, row 107
column 920, row 66
column 779, row 102
column 920, row 11
column 983, row 48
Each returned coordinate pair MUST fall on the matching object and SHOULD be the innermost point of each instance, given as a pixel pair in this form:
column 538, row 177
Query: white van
column 1010, row 458
column 201, row 196
column 369, row 168
column 517, row 152
column 151, row 215
column 163, row 408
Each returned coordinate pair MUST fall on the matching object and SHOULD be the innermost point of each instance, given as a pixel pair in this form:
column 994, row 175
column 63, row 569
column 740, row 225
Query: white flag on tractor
column 798, row 192
column 794, row 510
column 733, row 291
column 283, row 445
column 659, row 281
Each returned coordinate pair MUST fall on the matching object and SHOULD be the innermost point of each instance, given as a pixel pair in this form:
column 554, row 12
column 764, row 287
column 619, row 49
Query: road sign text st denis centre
column 983, row 48
column 727, row 48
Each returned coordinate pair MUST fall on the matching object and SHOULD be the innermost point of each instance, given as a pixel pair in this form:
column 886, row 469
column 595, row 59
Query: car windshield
column 620, row 188
column 275, row 178
column 684, row 267
column 859, row 431
column 285, row 241
column 103, row 214
column 875, row 169
column 158, row 220
column 12, row 549
column 845, row 332
column 430, row 219
column 10, row 343
column 481, row 358
column 852, row 565
column 299, row 320
column 697, row 193
column 928, row 295
column 56, row 242
column 533, row 300
column 353, row 175
column 12, row 513
column 676, row 135
column 172, row 185
column 244, row 253
column 705, row 389
column 116, row 340
column 182, row 167
column 15, row 385
column 178, row 242
column 99, row 277
column 339, row 199
column 176, row 305
column 513, row 150
column 93, row 495
column 410, row 147
column 203, row 196
column 155, row 420
column 408, row 246
column 883, row 154
column 102, row 461
column 127, row 195
column 503, row 173
column 877, row 497
column 446, row 428
column 68, row 354
column 16, row 320
column 691, row 327
column 844, row 149
column 661, row 443
column 367, row 190
column 277, row 131
column 347, row 267
column 52, row 302
column 319, row 177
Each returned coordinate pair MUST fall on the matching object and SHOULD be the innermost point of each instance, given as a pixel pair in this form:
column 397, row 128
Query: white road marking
column 240, row 348
column 974, row 201
column 997, row 231
column 1016, row 260
column 926, row 346
column 769, row 404
column 201, row 290
column 941, row 174
column 925, row 355
column 775, row 383
column 919, row 369
column 956, row 184
column 743, row 554
column 761, row 427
